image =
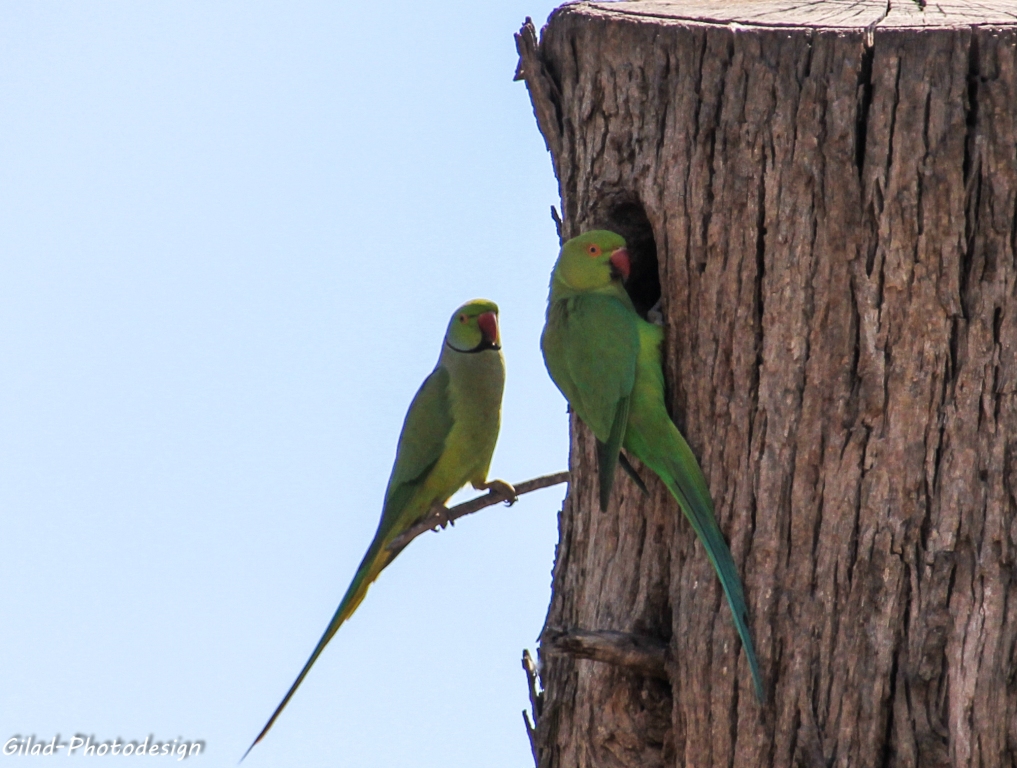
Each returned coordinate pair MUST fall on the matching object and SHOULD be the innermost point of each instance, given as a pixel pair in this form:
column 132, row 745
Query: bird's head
column 595, row 259
column 474, row 327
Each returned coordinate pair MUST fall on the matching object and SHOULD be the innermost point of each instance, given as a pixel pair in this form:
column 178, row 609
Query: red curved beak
column 620, row 263
column 488, row 323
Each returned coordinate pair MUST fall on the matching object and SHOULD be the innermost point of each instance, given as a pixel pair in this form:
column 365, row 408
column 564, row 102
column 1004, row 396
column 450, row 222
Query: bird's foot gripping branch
column 499, row 491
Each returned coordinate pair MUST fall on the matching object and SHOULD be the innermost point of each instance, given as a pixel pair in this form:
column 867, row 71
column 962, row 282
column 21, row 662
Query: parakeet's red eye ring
column 593, row 250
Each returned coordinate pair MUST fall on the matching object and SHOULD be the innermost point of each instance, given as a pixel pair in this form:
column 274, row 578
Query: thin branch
column 639, row 653
column 440, row 515
column 545, row 93
column 536, row 698
column 557, row 224
column 536, row 704
column 531, row 732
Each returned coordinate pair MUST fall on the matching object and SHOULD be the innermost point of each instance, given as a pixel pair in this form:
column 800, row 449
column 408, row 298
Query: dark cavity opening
column 628, row 219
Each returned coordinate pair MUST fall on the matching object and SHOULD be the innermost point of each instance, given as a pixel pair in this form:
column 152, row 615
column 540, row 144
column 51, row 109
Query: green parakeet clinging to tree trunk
column 606, row 360
column 447, row 441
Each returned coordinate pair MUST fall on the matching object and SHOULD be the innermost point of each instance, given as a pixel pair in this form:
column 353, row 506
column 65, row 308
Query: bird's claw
column 441, row 512
column 502, row 489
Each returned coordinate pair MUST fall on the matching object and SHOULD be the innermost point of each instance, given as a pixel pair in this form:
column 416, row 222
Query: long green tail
column 678, row 469
column 377, row 558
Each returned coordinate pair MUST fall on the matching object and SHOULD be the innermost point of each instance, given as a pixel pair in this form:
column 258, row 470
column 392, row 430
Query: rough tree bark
column 824, row 197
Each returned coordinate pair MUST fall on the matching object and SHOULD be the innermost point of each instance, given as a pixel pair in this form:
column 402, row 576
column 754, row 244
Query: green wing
column 421, row 442
column 608, row 453
column 591, row 345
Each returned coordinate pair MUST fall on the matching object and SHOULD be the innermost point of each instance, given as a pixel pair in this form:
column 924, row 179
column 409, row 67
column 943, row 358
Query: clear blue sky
column 231, row 235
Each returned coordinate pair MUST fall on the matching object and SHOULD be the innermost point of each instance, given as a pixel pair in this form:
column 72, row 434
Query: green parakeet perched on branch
column 606, row 360
column 447, row 441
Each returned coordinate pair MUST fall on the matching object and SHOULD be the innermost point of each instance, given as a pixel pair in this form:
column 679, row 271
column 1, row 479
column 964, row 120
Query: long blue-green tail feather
column 378, row 556
column 678, row 469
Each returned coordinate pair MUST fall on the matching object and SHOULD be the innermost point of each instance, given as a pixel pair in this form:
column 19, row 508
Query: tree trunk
column 824, row 198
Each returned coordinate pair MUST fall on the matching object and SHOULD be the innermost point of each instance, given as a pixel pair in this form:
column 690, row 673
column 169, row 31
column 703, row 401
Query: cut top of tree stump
column 826, row 14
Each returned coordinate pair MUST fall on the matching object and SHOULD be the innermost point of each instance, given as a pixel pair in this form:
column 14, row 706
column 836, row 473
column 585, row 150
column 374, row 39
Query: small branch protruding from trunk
column 645, row 655
column 536, row 705
column 558, row 226
column 441, row 516
column 531, row 733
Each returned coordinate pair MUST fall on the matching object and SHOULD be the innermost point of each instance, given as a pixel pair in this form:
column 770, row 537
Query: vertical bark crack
column 758, row 313
column 920, row 179
column 715, row 119
column 893, row 117
column 971, row 174
column 889, row 755
column 864, row 105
